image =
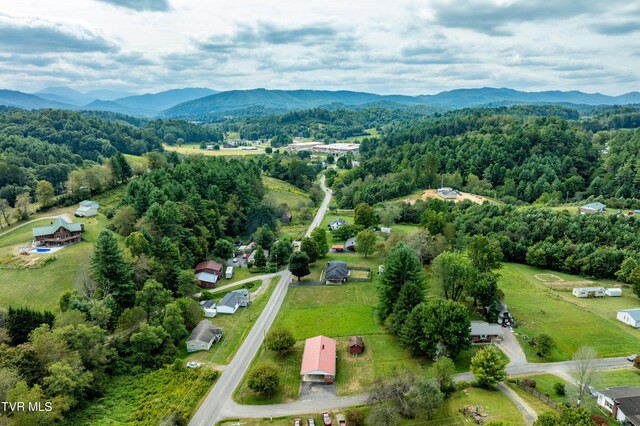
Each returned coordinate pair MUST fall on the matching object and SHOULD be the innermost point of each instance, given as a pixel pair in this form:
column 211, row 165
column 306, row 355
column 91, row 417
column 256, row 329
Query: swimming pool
column 40, row 250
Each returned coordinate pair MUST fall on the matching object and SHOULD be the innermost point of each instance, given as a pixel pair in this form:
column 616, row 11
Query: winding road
column 219, row 403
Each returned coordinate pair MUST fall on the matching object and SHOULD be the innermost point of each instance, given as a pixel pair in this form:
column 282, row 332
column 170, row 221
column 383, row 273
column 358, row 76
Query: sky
column 387, row 47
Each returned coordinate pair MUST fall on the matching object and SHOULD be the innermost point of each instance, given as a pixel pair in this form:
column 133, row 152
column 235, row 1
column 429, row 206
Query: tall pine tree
column 111, row 272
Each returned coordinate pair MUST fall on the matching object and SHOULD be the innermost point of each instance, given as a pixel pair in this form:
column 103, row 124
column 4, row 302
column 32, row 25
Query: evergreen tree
column 401, row 266
column 260, row 259
column 111, row 272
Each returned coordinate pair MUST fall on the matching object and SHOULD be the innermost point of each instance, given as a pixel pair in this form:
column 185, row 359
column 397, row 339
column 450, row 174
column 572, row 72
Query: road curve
column 219, row 400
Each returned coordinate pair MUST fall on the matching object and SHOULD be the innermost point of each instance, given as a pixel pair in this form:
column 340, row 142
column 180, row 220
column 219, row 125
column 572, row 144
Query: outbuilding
column 613, row 292
column 630, row 317
column 589, row 292
column 350, row 244
column 87, row 208
column 356, row 346
column 592, row 208
column 229, row 272
column 208, row 273
column 319, row 360
column 209, row 308
column 203, row 336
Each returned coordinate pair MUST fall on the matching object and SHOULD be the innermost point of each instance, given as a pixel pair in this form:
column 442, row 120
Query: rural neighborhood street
column 219, row 401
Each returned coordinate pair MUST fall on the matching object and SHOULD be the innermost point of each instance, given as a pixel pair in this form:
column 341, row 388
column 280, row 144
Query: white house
column 623, row 403
column 337, row 223
column 588, row 292
column 630, row 316
column 592, row 208
column 229, row 272
column 209, row 308
column 245, row 298
column 229, row 303
column 448, row 193
column 87, row 208
column 613, row 292
column 203, row 336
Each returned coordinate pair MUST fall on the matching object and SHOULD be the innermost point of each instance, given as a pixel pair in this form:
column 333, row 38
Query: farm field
column 234, row 330
column 194, row 149
column 569, row 321
column 42, row 287
column 302, row 209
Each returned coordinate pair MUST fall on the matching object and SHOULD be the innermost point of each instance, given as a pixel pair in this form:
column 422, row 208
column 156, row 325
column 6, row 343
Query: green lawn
column 571, row 322
column 194, row 149
column 302, row 209
column 234, row 328
column 251, row 286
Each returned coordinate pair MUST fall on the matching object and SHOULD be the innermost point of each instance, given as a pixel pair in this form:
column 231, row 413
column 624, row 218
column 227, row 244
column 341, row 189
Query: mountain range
column 196, row 103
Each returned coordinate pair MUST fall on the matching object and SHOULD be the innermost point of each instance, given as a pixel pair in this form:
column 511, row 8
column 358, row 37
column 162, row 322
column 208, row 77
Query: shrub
column 355, row 417
column 264, row 378
column 280, row 340
column 529, row 383
column 560, row 389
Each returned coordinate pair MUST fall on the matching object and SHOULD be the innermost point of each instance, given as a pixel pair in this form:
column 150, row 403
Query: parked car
column 342, row 421
column 311, row 422
column 244, row 256
column 632, row 358
column 235, row 259
column 193, row 364
column 326, row 418
column 297, row 422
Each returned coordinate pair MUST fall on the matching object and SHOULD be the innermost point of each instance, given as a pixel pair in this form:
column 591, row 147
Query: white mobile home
column 630, row 316
column 589, row 292
column 209, row 308
column 203, row 336
column 613, row 292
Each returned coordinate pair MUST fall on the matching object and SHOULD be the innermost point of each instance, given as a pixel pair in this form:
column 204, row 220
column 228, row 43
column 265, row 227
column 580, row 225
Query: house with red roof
column 208, row 273
column 319, row 360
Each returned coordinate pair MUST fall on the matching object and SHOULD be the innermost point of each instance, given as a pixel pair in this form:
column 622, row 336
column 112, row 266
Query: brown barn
column 208, row 273
column 355, row 345
column 59, row 233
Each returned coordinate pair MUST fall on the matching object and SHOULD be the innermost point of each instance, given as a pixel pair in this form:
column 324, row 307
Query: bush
column 599, row 420
column 264, row 378
column 560, row 389
column 279, row 340
column 529, row 383
column 355, row 417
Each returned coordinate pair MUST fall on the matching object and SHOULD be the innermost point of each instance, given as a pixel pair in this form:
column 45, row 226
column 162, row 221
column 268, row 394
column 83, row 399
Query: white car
column 235, row 259
column 193, row 364
column 632, row 358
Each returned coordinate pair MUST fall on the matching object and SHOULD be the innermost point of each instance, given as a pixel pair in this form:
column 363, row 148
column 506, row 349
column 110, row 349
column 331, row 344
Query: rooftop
column 230, row 299
column 483, row 328
column 590, row 288
column 204, row 331
column 336, row 270
column 622, row 392
column 594, row 206
column 319, row 355
column 633, row 313
column 57, row 223
column 209, row 264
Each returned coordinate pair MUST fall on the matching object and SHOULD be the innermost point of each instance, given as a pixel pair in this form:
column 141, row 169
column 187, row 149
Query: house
column 209, row 308
column 87, row 208
column 338, row 248
column 337, row 223
column 350, row 244
column 355, row 345
column 592, row 208
column 245, row 298
column 623, row 403
column 59, row 233
column 286, row 218
column 233, row 300
column 228, row 274
column 588, row 292
column 483, row 332
column 203, row 336
column 208, row 273
column 337, row 272
column 613, row 292
column 448, row 193
column 385, row 230
column 319, row 360
column 630, row 316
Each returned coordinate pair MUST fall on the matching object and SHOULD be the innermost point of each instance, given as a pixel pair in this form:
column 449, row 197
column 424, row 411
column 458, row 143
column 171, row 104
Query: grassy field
column 234, row 328
column 42, row 287
column 302, row 209
column 194, row 149
column 571, row 322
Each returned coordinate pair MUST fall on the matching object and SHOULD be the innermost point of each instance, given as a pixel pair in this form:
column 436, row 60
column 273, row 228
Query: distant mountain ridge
column 196, row 103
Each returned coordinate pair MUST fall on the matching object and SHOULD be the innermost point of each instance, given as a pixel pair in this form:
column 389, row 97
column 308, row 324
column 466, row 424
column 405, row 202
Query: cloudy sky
column 401, row 46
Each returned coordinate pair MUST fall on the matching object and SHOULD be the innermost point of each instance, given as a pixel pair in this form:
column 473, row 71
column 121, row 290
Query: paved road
column 219, row 402
column 512, row 349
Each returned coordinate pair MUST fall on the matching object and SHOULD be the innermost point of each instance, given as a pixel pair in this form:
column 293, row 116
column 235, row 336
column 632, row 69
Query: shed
column 613, row 292
column 229, row 272
column 483, row 332
column 592, row 208
column 338, row 248
column 319, row 360
column 337, row 272
column 350, row 244
column 286, row 218
column 355, row 345
column 203, row 336
column 87, row 208
column 385, row 230
column 208, row 273
column 589, row 292
column 209, row 308
column 630, row 316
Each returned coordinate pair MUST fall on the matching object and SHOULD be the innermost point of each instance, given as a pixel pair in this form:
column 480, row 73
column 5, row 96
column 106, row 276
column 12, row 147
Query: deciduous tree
column 365, row 242
column 319, row 236
column 452, row 271
column 299, row 264
column 309, row 247
column 279, row 340
column 264, row 378
column 365, row 216
column 488, row 366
